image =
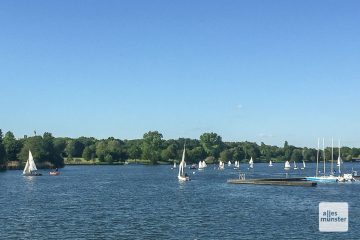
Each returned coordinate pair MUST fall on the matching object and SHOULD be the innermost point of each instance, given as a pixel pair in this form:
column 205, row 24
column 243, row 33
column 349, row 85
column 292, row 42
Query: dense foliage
column 51, row 151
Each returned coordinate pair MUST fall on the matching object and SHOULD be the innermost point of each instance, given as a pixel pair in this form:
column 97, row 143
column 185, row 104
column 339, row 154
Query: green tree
column 212, row 144
column 43, row 151
column 2, row 153
column 59, row 145
column 169, row 153
column 101, row 150
column 296, row 155
column 35, row 145
column 134, row 151
column 108, row 158
column 12, row 146
column 196, row 154
column 226, row 155
column 115, row 149
column 151, row 146
column 87, row 153
column 238, row 153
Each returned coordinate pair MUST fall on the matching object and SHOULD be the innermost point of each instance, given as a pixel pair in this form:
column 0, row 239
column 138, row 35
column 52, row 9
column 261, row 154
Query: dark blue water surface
column 148, row 202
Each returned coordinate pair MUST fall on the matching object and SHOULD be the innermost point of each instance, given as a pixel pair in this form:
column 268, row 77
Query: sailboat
column 201, row 165
column 182, row 176
column 237, row 165
column 304, row 166
column 324, row 178
column 229, row 164
column 204, row 164
column 251, row 163
column 295, row 167
column 339, row 160
column 221, row 165
column 30, row 167
column 270, row 164
column 174, row 166
column 287, row 165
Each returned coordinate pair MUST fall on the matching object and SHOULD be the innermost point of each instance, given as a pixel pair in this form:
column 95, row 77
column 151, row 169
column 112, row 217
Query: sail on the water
column 251, row 163
column 30, row 166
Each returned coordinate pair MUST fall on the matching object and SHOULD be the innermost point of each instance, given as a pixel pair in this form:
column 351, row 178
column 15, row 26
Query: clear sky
column 248, row 70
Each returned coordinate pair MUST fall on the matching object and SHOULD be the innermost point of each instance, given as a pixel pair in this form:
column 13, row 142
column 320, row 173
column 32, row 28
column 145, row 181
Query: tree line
column 50, row 151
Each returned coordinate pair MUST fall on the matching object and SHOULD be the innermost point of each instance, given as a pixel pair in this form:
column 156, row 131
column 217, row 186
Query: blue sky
column 248, row 70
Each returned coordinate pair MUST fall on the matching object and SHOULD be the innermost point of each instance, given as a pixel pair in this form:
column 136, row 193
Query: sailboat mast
column 339, row 158
column 317, row 158
column 332, row 155
column 324, row 155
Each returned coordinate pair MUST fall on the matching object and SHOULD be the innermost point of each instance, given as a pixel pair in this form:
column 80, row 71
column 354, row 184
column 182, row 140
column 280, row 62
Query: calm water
column 148, row 202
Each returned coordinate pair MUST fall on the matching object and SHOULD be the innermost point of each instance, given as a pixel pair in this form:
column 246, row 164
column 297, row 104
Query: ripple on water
column 147, row 202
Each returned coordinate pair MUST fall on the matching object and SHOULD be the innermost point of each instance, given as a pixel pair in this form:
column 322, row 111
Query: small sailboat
column 287, row 165
column 304, row 166
column 270, row 164
column 237, row 165
column 182, row 176
column 201, row 165
column 204, row 164
column 221, row 165
column 229, row 164
column 251, row 163
column 338, row 164
column 174, row 166
column 30, row 167
column 295, row 167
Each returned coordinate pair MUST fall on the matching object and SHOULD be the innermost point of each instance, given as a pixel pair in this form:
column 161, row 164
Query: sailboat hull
column 32, row 174
column 322, row 179
column 183, row 178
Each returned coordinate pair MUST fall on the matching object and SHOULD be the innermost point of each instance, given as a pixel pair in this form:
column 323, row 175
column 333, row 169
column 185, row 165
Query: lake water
column 148, row 202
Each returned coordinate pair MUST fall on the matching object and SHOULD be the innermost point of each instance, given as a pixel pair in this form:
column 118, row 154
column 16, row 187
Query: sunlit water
column 148, row 202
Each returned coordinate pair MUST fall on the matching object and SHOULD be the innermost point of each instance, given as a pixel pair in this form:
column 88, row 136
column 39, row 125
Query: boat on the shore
column 30, row 167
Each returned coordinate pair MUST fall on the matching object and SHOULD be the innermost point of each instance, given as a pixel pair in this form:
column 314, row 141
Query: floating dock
column 275, row 181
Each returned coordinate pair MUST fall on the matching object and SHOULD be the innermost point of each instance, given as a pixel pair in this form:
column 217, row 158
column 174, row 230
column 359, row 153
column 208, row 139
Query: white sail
column 204, row 164
column 295, row 167
column 304, row 164
column 251, row 163
column 229, row 163
column 287, row 164
column 270, row 164
column 339, row 161
column 30, row 165
column 221, row 165
column 26, row 169
column 182, row 164
column 174, row 164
